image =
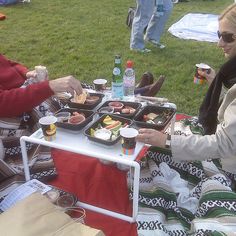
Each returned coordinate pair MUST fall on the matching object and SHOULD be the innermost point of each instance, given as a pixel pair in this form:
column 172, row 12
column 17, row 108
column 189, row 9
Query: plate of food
column 85, row 100
column 120, row 108
column 73, row 118
column 154, row 117
column 106, row 129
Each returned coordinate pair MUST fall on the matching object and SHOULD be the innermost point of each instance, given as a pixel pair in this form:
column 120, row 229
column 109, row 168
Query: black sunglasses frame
column 227, row 37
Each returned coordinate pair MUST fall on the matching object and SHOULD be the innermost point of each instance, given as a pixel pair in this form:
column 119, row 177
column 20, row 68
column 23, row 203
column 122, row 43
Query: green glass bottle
column 117, row 79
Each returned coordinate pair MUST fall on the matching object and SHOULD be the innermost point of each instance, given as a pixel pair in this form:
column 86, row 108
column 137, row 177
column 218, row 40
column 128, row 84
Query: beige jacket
column 220, row 145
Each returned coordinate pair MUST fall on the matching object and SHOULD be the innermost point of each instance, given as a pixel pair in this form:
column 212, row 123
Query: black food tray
column 88, row 118
column 99, row 121
column 85, row 105
column 134, row 105
column 160, row 111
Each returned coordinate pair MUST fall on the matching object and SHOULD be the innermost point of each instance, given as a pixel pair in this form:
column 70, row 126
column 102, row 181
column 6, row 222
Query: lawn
column 81, row 38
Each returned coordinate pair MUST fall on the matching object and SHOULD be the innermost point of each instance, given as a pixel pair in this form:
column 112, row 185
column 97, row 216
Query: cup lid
column 100, row 81
column 203, row 66
column 47, row 120
column 128, row 132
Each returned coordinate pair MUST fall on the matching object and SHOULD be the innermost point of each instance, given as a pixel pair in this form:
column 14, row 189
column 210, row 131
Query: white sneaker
column 154, row 42
column 144, row 50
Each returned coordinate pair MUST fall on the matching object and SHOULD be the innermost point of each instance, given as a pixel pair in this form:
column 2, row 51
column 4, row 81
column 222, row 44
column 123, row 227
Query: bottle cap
column 129, row 64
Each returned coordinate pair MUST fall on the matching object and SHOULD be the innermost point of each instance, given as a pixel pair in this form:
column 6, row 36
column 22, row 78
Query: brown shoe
column 146, row 79
column 155, row 88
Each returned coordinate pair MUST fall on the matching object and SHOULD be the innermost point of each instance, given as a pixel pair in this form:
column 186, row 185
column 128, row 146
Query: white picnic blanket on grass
column 196, row 26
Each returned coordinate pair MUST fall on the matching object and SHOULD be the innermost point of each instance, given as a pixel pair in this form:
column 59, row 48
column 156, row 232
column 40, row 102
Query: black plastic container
column 100, row 121
column 75, row 127
column 165, row 114
column 87, row 106
column 134, row 105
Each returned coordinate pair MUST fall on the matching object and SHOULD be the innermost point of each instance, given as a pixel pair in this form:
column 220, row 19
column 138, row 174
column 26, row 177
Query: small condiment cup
column 62, row 116
column 104, row 134
column 106, row 110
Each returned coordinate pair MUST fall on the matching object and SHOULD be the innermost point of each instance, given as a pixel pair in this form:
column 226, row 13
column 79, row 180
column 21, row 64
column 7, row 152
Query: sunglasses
column 227, row 37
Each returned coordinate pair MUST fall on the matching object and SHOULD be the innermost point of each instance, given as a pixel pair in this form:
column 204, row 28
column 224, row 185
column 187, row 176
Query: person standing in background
column 148, row 17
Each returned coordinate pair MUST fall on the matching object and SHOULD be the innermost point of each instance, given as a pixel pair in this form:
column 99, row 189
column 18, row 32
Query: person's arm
column 15, row 102
column 220, row 145
column 18, row 67
column 196, row 147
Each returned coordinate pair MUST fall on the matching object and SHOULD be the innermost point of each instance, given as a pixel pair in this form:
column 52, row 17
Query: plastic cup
column 198, row 79
column 100, row 84
column 65, row 200
column 42, row 73
column 128, row 141
column 48, row 125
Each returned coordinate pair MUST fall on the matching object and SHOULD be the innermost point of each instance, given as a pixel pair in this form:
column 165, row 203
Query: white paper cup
column 128, row 140
column 48, row 124
column 100, row 84
column 198, row 79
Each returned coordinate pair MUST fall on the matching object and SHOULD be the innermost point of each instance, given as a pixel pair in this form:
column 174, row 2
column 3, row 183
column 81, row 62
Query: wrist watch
column 168, row 141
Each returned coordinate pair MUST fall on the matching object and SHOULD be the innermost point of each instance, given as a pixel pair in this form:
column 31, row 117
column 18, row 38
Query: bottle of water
column 117, row 79
column 160, row 7
column 129, row 81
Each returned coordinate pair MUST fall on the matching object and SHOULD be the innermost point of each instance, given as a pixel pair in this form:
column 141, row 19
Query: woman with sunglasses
column 190, row 177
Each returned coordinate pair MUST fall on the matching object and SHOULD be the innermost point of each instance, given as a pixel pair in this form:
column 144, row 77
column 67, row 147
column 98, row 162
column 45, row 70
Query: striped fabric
column 11, row 129
column 199, row 199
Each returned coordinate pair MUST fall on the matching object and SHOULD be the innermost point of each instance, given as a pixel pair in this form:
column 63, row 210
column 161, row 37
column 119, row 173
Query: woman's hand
column 152, row 137
column 210, row 76
column 66, row 84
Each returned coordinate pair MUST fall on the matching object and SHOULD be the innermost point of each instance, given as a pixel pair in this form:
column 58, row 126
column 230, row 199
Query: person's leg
column 141, row 18
column 157, row 23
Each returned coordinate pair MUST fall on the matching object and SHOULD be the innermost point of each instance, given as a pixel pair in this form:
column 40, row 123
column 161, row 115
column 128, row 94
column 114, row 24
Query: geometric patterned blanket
column 184, row 198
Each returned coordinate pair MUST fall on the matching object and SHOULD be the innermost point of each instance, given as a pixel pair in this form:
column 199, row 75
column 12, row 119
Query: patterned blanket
column 39, row 157
column 184, row 198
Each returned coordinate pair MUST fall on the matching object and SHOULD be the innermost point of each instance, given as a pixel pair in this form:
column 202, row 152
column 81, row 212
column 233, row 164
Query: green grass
column 81, row 38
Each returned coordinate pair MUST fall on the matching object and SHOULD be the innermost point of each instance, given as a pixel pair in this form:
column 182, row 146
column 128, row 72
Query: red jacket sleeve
column 19, row 67
column 15, row 102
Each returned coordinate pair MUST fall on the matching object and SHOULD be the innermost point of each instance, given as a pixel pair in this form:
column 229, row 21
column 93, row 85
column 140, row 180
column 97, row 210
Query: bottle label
column 129, row 82
column 117, row 90
column 116, row 71
column 117, row 61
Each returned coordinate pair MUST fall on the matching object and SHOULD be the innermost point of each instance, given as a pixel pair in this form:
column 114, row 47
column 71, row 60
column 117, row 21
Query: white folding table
column 78, row 143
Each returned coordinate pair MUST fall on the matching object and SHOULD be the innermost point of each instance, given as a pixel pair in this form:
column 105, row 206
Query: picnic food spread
column 107, row 129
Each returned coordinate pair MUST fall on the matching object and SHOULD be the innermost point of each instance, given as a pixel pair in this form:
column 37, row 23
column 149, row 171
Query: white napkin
column 177, row 184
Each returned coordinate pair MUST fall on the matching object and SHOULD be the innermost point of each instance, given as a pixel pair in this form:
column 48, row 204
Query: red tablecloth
column 95, row 183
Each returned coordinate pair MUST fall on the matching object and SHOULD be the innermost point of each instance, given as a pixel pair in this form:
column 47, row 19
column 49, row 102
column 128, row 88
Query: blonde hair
column 229, row 14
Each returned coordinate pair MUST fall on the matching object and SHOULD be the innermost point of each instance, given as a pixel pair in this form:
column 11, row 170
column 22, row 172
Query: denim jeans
column 146, row 17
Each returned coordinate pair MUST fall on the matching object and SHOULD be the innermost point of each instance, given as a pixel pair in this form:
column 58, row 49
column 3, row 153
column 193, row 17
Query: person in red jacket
column 15, row 100
column 23, row 100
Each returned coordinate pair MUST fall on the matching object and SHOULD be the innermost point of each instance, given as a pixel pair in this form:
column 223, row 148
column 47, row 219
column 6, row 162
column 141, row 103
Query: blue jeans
column 146, row 18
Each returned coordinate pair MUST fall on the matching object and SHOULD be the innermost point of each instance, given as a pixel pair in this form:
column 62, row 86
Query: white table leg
column 25, row 158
